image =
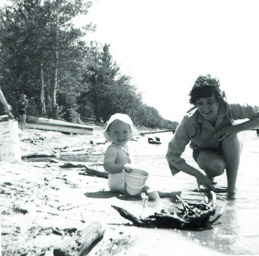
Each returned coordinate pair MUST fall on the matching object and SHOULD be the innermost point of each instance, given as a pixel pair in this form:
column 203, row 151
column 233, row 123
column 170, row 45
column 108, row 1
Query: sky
column 165, row 45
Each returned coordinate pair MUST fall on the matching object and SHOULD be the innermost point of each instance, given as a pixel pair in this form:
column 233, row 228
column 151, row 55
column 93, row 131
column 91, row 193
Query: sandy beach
column 43, row 203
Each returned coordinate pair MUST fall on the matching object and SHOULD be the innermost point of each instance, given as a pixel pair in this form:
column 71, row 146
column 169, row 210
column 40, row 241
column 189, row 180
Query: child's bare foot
column 174, row 194
column 153, row 195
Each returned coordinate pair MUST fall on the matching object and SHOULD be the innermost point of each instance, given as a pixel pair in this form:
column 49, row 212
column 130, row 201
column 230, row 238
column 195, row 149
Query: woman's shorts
column 196, row 152
column 22, row 112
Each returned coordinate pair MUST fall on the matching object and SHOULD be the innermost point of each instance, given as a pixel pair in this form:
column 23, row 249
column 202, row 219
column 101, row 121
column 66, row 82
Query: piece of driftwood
column 37, row 155
column 85, row 149
column 88, row 170
column 192, row 216
column 82, row 242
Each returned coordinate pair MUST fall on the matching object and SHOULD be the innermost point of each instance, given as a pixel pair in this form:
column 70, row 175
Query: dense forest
column 45, row 56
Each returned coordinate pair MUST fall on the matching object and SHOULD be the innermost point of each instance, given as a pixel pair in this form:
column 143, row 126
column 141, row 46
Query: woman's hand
column 204, row 181
column 226, row 133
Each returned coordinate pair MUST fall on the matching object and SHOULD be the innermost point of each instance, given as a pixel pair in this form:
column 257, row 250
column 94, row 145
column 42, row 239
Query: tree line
column 45, row 56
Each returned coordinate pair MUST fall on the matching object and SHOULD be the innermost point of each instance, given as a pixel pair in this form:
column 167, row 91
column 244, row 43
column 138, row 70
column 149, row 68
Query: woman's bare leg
column 23, row 121
column 212, row 163
column 231, row 149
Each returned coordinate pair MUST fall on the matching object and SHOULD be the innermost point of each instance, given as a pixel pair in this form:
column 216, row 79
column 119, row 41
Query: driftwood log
column 38, row 155
column 88, row 170
column 82, row 242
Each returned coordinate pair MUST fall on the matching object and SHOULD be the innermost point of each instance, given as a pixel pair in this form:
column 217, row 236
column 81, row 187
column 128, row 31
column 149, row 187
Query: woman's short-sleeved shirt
column 197, row 131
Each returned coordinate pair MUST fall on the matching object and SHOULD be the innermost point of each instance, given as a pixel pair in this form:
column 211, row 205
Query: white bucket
column 135, row 181
column 9, row 142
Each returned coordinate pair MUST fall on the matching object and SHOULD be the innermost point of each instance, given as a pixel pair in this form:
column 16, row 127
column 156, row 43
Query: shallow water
column 238, row 231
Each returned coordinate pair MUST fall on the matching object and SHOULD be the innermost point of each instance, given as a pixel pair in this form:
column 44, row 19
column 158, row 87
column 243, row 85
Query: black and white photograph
column 129, row 127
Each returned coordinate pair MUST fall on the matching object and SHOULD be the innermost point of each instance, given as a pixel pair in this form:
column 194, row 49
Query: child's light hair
column 123, row 118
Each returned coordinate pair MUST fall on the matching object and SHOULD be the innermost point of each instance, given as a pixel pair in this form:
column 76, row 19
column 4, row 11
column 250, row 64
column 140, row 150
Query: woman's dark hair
column 205, row 86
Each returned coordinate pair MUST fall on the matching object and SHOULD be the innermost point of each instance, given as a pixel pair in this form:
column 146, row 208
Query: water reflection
column 238, row 230
column 224, row 234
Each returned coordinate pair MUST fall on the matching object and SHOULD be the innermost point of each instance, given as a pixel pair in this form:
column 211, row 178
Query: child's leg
column 162, row 194
column 145, row 189
column 169, row 194
column 211, row 162
column 231, row 149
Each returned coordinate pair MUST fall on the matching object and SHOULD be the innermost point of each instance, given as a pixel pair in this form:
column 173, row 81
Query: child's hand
column 128, row 168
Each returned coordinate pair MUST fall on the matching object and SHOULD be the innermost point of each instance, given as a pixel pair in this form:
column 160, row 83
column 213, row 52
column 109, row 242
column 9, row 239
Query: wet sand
column 42, row 203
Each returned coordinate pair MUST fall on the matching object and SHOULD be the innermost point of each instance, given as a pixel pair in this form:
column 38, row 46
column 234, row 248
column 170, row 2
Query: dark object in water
column 154, row 141
column 192, row 216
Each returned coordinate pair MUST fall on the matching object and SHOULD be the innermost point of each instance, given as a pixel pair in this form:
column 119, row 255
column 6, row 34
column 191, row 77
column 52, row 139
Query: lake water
column 238, row 231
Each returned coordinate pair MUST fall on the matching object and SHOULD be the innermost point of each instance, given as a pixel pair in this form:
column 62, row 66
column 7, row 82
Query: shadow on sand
column 109, row 194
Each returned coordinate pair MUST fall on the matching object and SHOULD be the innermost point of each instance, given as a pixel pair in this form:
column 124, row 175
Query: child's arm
column 109, row 161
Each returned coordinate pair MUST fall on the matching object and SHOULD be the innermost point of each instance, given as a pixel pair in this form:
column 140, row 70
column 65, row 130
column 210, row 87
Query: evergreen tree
column 42, row 50
column 45, row 56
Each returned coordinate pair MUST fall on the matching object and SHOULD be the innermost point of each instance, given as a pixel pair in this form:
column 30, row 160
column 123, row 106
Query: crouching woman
column 212, row 134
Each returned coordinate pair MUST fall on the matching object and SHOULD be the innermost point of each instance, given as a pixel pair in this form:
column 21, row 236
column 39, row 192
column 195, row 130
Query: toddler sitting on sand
column 119, row 130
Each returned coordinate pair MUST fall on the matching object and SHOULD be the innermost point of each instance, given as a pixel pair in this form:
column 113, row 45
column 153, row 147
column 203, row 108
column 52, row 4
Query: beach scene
column 43, row 203
column 76, row 180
